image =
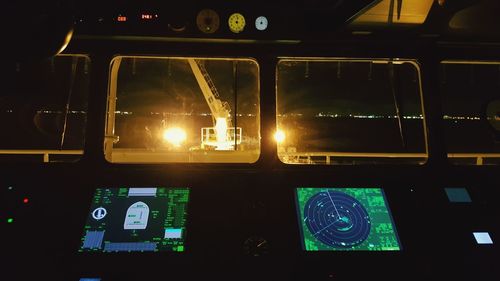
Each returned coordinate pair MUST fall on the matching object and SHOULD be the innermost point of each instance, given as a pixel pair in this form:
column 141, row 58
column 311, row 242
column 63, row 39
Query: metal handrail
column 479, row 156
column 356, row 154
column 45, row 153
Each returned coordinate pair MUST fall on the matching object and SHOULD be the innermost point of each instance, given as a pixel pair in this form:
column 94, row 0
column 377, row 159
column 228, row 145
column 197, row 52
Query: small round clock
column 236, row 23
column 207, row 21
column 261, row 23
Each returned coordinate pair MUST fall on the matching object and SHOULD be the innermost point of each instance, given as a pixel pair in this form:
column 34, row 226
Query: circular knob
column 256, row 246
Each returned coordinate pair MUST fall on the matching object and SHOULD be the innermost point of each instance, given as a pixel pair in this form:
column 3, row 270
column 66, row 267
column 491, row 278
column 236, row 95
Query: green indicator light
column 10, row 220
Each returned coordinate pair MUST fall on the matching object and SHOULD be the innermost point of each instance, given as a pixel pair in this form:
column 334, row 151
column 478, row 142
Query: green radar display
column 136, row 219
column 345, row 219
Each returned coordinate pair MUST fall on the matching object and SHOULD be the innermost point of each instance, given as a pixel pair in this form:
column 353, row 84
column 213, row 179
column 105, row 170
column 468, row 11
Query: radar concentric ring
column 337, row 219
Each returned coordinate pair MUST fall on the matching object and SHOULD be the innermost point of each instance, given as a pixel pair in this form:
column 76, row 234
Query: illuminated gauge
column 337, row 219
column 261, row 23
column 208, row 21
column 236, row 22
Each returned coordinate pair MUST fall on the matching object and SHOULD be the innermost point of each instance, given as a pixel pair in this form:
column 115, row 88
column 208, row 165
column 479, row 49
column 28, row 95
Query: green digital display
column 136, row 219
column 345, row 219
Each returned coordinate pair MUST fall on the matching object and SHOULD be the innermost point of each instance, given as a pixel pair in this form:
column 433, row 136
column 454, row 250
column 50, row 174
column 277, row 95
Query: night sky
column 33, row 101
column 354, row 89
column 169, row 85
column 466, row 89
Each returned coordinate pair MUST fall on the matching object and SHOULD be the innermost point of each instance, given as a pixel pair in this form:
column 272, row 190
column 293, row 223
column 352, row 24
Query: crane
column 222, row 136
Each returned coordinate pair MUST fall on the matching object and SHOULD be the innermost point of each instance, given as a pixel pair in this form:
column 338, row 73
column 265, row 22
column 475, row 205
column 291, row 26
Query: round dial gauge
column 208, row 21
column 337, row 219
column 236, row 22
column 261, row 23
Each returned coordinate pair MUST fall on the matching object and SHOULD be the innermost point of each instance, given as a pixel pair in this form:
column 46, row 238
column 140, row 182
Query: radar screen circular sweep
column 345, row 219
column 337, row 219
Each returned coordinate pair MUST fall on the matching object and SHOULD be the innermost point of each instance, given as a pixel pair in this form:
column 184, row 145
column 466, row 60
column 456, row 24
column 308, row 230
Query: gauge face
column 236, row 22
column 337, row 219
column 208, row 21
column 261, row 23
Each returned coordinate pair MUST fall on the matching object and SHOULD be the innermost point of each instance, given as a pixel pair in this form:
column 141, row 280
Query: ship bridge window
column 342, row 111
column 390, row 12
column 180, row 110
column 43, row 109
column 471, row 111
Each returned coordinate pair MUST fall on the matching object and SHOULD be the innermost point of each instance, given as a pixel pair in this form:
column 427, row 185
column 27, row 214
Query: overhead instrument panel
column 218, row 19
column 145, row 219
column 349, row 219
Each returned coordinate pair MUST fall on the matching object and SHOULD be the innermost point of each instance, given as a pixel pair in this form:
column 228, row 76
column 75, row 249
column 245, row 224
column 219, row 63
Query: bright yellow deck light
column 175, row 136
column 279, row 136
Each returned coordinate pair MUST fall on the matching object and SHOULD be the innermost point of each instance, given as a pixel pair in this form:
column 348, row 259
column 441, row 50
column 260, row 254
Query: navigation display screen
column 345, row 219
column 138, row 219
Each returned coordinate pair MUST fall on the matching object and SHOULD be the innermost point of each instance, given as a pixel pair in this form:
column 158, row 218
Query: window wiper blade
column 397, row 104
column 74, row 64
column 399, row 8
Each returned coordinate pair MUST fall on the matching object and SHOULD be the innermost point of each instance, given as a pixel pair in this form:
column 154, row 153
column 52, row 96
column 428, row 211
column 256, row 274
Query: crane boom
column 222, row 136
column 218, row 108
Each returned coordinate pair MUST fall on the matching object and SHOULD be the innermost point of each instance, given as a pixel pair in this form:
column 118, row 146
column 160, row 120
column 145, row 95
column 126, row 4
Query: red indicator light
column 26, row 200
column 121, row 18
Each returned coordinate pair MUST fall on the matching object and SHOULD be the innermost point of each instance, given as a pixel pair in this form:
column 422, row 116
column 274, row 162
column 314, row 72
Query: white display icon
column 99, row 213
column 137, row 216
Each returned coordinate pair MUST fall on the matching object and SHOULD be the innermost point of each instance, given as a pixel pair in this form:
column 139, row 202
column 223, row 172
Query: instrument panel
column 289, row 233
column 219, row 19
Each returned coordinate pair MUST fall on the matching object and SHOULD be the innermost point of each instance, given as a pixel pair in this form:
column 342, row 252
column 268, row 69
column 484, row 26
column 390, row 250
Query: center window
column 167, row 110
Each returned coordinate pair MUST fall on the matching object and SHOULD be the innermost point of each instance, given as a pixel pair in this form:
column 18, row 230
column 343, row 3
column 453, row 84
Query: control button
column 482, row 238
column 458, row 195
